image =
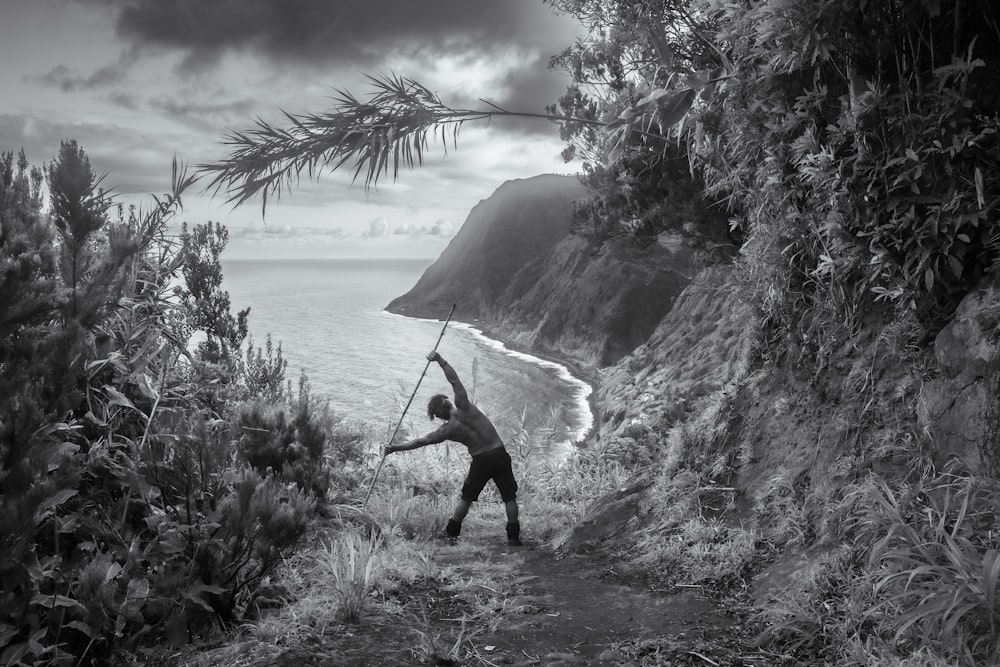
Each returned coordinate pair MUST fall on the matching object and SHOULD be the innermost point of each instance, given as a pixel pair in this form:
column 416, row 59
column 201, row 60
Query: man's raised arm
column 461, row 396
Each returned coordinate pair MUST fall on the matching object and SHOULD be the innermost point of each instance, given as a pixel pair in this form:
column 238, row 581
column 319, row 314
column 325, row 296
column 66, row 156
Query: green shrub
column 288, row 441
column 937, row 545
column 125, row 515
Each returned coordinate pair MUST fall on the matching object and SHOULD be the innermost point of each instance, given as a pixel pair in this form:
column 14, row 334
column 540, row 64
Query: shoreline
column 587, row 376
column 571, row 368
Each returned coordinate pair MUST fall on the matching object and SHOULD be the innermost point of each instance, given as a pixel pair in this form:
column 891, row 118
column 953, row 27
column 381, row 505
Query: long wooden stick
column 412, row 396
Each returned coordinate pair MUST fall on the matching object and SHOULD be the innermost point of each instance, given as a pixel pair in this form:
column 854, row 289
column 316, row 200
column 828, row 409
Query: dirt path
column 579, row 613
column 540, row 608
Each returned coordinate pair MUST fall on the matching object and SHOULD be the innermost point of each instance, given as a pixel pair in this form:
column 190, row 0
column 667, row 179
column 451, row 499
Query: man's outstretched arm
column 461, row 396
column 434, row 437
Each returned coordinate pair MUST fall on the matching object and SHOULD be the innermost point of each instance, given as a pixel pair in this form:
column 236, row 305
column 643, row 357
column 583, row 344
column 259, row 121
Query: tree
column 26, row 248
column 207, row 304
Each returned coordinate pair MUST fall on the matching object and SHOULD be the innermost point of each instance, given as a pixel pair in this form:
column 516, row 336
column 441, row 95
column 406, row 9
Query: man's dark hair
column 436, row 404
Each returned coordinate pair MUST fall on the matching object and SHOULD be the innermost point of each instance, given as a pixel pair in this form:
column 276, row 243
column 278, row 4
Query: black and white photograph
column 640, row 333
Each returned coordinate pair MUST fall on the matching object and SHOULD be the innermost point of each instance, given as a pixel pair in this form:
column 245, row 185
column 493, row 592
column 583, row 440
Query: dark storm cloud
column 361, row 35
column 344, row 31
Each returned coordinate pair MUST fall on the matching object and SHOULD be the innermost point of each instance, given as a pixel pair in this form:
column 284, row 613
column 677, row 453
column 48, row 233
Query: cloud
column 124, row 100
column 441, row 228
column 288, row 235
column 465, row 50
column 135, row 163
column 347, row 32
column 207, row 116
column 106, row 76
column 377, row 228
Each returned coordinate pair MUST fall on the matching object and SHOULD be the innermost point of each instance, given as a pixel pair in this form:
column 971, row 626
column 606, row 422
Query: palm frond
column 394, row 126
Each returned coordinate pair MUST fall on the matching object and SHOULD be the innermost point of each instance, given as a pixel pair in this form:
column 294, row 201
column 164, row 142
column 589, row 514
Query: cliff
column 515, row 271
column 518, row 223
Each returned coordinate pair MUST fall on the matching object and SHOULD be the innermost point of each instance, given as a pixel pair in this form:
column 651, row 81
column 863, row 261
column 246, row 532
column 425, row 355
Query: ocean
column 329, row 317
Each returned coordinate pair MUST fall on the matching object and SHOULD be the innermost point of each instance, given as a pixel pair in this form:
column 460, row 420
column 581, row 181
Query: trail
column 577, row 611
column 539, row 607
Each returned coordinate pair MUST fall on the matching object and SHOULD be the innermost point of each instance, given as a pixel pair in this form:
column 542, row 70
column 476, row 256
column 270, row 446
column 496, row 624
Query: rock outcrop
column 960, row 408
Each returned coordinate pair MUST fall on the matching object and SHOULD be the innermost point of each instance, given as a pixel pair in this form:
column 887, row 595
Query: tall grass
column 350, row 561
column 938, row 544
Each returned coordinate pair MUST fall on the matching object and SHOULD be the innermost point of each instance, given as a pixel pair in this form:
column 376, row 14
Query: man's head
column 439, row 406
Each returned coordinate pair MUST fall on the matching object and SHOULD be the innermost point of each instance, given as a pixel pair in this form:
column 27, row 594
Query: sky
column 138, row 82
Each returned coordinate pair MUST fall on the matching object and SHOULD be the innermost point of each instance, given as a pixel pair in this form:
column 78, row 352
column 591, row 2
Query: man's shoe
column 514, row 534
column 452, row 531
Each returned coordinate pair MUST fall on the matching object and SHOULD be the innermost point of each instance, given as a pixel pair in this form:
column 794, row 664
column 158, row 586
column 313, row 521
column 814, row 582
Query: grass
column 350, row 563
column 385, row 571
column 916, row 580
column 417, row 491
column 682, row 546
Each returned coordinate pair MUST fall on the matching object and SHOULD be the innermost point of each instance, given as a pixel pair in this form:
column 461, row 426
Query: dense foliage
column 854, row 147
column 135, row 505
column 857, row 169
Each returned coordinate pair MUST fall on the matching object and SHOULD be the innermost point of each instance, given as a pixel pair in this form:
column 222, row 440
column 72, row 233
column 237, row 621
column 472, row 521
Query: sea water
column 329, row 317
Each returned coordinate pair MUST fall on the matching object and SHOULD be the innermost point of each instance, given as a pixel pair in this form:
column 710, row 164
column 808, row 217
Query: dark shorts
column 495, row 465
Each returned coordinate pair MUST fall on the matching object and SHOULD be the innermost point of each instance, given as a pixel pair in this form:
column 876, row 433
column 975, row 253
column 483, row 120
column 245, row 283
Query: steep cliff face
column 592, row 305
column 518, row 223
column 515, row 271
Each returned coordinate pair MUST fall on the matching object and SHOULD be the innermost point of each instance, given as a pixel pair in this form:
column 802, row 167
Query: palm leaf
column 394, row 126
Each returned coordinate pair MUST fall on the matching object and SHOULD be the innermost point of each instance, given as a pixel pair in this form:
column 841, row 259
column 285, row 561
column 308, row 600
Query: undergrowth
column 915, row 580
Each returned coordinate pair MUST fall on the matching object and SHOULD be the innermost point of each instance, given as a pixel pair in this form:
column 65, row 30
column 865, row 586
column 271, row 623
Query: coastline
column 574, row 372
column 580, row 373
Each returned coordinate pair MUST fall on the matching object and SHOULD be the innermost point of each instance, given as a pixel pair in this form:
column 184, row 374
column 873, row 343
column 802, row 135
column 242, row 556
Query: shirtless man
column 464, row 423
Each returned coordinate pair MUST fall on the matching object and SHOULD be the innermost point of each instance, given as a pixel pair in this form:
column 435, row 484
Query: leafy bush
column 263, row 371
column 287, row 441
